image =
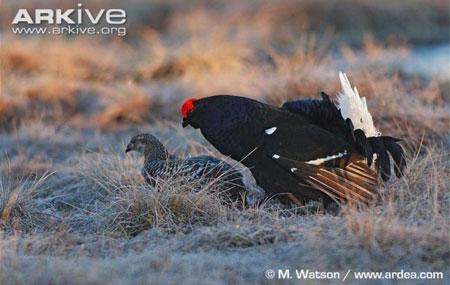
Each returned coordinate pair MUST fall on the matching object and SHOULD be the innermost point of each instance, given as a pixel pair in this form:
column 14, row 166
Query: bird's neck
column 156, row 153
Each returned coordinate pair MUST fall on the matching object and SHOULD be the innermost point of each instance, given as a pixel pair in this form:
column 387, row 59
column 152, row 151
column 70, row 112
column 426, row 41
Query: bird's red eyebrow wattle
column 187, row 107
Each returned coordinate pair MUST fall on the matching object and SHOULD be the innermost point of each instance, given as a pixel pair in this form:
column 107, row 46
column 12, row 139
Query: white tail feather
column 354, row 107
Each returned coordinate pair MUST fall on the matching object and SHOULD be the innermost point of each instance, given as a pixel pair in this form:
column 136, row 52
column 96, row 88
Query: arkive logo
column 77, row 21
column 59, row 16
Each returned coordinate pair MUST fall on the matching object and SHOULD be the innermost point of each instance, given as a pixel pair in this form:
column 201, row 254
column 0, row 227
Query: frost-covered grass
column 75, row 210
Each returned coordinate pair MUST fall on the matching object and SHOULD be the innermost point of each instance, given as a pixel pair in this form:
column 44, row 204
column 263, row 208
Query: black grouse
column 159, row 164
column 306, row 149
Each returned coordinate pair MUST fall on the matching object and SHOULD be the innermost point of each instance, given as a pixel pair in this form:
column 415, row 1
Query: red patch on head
column 187, row 107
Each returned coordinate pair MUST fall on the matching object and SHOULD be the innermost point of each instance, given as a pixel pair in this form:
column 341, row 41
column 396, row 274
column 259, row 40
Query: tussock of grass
column 131, row 206
column 18, row 213
column 179, row 206
column 105, row 194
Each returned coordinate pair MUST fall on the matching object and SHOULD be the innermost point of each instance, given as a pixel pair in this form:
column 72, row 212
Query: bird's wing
column 353, row 182
column 194, row 167
column 153, row 170
column 208, row 167
column 326, row 115
column 322, row 160
column 305, row 142
column 322, row 113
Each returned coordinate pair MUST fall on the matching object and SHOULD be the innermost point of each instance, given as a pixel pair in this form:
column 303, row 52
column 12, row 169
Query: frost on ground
column 75, row 210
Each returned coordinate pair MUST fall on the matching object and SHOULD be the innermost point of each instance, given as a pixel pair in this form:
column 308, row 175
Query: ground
column 75, row 210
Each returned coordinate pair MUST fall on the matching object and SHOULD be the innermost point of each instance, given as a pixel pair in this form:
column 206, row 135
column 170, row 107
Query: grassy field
column 75, row 210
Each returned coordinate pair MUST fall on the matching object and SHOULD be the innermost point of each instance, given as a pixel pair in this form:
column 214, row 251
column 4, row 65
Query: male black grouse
column 159, row 164
column 306, row 149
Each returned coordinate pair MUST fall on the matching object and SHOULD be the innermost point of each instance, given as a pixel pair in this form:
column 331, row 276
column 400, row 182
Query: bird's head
column 147, row 145
column 214, row 111
column 186, row 109
column 220, row 118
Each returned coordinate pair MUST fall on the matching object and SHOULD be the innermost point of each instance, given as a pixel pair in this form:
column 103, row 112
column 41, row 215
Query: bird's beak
column 128, row 149
column 185, row 123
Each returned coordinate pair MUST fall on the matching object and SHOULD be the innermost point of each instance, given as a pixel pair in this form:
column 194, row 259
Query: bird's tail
column 354, row 107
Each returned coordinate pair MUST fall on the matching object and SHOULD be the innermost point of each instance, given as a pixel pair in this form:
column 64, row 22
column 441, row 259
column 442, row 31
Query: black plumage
column 325, row 114
column 304, row 149
column 159, row 164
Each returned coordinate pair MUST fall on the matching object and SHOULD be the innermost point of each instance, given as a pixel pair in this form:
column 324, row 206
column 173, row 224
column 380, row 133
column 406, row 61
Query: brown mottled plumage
column 159, row 164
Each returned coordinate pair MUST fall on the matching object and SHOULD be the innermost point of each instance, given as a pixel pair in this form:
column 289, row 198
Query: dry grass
column 100, row 207
column 131, row 109
column 68, row 106
column 18, row 213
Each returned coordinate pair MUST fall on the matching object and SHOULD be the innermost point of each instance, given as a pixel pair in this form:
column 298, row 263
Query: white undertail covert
column 354, row 107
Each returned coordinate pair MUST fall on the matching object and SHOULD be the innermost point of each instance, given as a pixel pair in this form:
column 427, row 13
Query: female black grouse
column 159, row 164
column 306, row 149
